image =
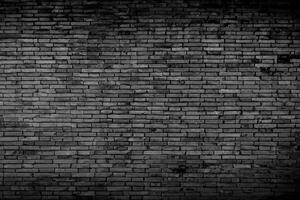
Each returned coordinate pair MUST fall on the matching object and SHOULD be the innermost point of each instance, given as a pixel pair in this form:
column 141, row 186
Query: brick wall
column 139, row 99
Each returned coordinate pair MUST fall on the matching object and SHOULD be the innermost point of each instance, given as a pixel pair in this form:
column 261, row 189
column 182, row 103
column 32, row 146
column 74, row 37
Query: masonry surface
column 151, row 99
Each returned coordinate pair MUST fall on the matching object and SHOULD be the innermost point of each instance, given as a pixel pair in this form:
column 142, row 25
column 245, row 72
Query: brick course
column 138, row 99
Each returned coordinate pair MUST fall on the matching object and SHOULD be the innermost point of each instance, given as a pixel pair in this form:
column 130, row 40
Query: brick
column 149, row 99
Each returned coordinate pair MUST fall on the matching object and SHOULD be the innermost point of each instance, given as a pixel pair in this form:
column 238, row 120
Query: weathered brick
column 166, row 99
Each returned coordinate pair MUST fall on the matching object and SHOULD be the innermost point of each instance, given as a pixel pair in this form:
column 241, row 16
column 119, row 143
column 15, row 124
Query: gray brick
column 149, row 99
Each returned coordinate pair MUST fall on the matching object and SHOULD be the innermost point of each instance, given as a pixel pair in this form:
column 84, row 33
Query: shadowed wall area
column 136, row 99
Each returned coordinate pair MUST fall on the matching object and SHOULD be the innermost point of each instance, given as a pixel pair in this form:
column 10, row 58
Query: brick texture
column 148, row 99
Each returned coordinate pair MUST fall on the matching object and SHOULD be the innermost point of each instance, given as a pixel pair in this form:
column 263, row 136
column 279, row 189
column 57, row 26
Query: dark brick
column 156, row 99
column 283, row 59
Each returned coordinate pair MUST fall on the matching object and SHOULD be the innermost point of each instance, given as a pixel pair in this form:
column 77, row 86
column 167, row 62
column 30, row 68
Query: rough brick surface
column 172, row 99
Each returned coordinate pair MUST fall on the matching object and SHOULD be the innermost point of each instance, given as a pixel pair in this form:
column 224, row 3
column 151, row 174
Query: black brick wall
column 151, row 99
